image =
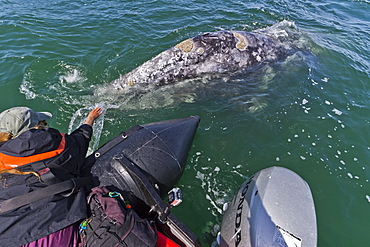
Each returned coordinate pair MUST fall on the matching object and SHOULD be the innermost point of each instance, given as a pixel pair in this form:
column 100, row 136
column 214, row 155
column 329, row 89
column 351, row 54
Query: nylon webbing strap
column 22, row 200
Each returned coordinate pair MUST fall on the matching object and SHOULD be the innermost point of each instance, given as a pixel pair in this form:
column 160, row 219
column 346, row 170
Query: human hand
column 94, row 114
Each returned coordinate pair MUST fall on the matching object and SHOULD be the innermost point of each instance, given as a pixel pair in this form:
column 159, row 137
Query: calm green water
column 309, row 113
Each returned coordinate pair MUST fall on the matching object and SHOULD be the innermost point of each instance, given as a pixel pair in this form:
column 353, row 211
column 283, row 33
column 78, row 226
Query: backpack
column 114, row 223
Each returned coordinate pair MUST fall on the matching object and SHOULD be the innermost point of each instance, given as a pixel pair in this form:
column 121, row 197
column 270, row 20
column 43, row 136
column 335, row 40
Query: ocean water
column 308, row 112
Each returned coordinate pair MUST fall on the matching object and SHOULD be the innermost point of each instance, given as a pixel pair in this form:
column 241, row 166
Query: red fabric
column 163, row 241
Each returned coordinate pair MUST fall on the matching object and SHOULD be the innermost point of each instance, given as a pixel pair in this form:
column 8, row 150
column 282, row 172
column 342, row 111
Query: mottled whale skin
column 207, row 53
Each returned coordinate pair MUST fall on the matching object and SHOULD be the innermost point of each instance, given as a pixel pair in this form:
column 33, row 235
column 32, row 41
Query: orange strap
column 10, row 162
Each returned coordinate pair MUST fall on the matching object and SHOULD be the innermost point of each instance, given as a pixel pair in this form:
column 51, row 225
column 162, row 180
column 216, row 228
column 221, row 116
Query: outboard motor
column 273, row 208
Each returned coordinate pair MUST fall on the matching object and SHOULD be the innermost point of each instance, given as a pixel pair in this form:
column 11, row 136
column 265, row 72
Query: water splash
column 71, row 77
column 78, row 119
column 27, row 89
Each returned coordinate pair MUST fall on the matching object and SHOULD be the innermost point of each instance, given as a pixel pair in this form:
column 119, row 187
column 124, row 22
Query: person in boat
column 33, row 156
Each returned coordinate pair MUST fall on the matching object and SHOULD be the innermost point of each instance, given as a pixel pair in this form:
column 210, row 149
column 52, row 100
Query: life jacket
column 38, row 219
column 10, row 162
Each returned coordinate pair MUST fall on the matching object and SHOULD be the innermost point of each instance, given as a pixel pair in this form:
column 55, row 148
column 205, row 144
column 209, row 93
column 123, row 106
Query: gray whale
column 208, row 53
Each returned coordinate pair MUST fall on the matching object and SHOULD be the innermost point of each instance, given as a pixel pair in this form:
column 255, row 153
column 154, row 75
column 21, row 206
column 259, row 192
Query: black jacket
column 46, row 216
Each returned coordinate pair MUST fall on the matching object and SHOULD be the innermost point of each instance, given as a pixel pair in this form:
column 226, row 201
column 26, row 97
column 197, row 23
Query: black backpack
column 114, row 223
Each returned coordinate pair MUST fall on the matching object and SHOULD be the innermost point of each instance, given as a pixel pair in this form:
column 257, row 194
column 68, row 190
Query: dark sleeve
column 68, row 164
column 84, row 131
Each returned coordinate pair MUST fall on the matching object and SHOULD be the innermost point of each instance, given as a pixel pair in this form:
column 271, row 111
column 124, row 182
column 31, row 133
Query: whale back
column 208, row 53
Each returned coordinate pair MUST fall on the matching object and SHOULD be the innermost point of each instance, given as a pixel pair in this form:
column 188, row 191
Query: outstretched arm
column 94, row 114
